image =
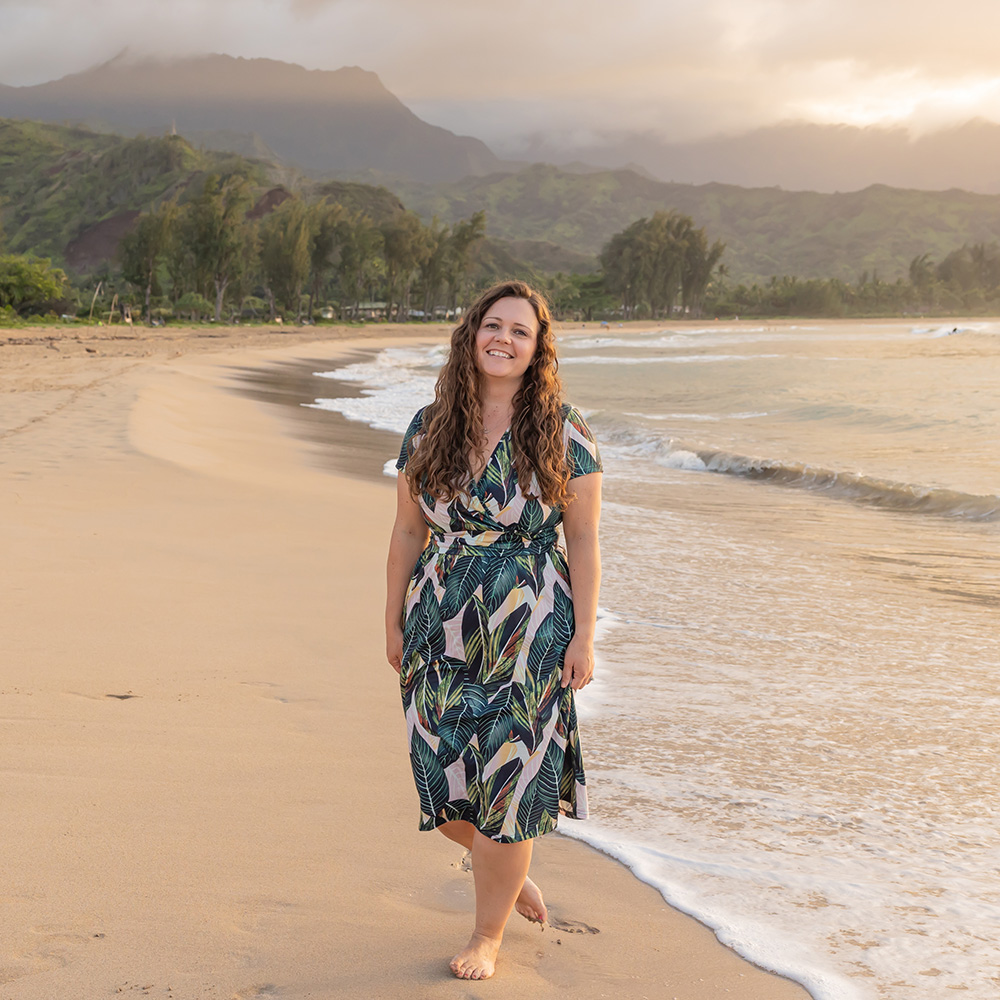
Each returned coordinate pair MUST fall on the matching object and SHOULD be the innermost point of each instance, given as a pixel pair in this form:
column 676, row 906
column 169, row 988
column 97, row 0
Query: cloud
column 576, row 66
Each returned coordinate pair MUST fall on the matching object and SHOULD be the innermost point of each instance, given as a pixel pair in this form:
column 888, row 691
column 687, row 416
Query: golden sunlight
column 903, row 99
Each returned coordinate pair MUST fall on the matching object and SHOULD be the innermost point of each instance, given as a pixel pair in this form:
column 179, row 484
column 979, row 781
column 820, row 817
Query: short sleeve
column 582, row 454
column 416, row 424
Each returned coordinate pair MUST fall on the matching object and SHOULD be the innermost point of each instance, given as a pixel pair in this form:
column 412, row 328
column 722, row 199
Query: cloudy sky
column 504, row 70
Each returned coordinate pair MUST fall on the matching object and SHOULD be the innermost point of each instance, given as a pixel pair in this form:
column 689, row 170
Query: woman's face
column 507, row 338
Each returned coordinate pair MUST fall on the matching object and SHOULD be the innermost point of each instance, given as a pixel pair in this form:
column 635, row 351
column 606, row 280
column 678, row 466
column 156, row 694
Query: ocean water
column 793, row 733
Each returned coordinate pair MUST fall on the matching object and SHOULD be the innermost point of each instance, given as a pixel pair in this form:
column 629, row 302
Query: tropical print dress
column 488, row 614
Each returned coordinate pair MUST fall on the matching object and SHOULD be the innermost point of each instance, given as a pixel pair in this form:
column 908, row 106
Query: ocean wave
column 722, row 337
column 662, row 338
column 859, row 488
column 856, row 487
column 952, row 329
column 678, row 359
column 394, row 385
column 702, row 417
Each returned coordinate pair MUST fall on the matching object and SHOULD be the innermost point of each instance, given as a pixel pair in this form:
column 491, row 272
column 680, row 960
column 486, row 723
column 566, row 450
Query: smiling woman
column 488, row 635
column 506, row 339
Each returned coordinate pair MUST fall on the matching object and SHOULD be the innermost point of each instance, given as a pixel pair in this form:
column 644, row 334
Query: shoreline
column 186, row 786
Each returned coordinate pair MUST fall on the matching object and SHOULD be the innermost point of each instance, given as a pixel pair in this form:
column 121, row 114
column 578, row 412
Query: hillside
column 71, row 194
column 767, row 231
column 325, row 122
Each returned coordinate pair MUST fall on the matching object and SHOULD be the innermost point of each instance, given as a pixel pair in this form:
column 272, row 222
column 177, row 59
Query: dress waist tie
column 494, row 544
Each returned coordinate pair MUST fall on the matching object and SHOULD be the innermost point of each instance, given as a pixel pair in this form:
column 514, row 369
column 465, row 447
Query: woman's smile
column 507, row 338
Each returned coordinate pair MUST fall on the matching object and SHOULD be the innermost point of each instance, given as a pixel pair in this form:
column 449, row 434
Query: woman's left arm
column 581, row 519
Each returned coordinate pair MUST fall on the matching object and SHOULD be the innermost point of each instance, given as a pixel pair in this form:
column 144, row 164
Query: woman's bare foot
column 530, row 904
column 477, row 960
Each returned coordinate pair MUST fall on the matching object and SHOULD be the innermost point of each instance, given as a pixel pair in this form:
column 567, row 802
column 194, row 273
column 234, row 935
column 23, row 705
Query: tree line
column 217, row 253
column 966, row 280
column 213, row 252
column 664, row 266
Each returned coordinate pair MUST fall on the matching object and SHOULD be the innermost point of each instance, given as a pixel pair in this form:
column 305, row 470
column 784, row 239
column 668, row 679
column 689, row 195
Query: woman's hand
column 578, row 667
column 394, row 647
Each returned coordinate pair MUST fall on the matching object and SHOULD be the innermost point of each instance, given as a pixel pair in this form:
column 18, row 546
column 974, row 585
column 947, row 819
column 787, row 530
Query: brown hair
column 453, row 424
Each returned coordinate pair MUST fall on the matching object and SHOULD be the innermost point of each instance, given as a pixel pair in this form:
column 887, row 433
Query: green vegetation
column 655, row 261
column 767, row 231
column 142, row 247
column 214, row 250
column 158, row 219
column 966, row 281
column 56, row 182
column 31, row 285
column 61, row 188
column 156, row 222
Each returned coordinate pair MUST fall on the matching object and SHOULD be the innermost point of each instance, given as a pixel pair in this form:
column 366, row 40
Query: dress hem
column 429, row 825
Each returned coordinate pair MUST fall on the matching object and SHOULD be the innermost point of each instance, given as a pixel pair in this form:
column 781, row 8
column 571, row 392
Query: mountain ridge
column 807, row 156
column 331, row 121
column 768, row 231
column 342, row 121
column 59, row 184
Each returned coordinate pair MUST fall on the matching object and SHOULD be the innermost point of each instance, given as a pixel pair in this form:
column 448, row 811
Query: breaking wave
column 856, row 487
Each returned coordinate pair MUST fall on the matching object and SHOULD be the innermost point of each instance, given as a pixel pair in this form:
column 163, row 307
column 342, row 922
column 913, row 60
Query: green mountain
column 767, row 231
column 71, row 194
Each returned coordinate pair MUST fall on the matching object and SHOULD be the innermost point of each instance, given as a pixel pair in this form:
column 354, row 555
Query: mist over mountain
column 345, row 122
column 800, row 156
column 326, row 122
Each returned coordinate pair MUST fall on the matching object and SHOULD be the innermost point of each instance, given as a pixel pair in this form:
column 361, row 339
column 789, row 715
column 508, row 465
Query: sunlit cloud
column 583, row 67
column 902, row 98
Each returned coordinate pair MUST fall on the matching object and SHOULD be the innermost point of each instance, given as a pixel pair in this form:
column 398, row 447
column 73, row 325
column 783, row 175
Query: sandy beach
column 204, row 785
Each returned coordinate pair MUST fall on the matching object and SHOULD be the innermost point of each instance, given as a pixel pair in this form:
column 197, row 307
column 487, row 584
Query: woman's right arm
column 409, row 536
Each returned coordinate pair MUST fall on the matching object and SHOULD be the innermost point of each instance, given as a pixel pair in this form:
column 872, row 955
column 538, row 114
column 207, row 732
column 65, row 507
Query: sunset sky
column 502, row 71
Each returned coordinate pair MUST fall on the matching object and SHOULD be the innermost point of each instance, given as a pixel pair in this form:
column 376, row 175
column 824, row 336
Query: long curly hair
column 452, row 429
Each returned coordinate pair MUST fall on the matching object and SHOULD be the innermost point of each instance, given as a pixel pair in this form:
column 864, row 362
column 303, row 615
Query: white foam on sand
column 395, row 384
column 755, row 941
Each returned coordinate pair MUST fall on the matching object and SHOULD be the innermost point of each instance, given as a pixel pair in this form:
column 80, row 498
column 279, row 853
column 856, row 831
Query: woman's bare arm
column 407, row 541
column 581, row 520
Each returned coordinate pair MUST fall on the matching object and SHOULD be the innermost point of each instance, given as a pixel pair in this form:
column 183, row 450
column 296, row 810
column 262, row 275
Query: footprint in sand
column 465, row 864
column 572, row 926
column 256, row 991
column 45, row 948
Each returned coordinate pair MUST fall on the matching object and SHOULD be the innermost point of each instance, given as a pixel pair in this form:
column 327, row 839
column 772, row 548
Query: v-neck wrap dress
column 488, row 615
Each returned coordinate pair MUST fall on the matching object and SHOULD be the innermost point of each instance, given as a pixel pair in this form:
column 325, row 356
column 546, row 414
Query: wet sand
column 204, row 784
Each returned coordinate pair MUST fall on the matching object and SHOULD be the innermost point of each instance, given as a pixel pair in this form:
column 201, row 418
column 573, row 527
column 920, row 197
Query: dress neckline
column 476, row 482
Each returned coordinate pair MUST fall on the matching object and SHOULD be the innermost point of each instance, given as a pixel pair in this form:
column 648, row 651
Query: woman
column 488, row 638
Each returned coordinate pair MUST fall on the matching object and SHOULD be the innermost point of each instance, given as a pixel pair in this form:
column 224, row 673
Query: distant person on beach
column 489, row 639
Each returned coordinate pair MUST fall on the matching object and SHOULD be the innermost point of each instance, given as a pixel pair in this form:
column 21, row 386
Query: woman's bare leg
column 460, row 831
column 529, row 902
column 499, row 871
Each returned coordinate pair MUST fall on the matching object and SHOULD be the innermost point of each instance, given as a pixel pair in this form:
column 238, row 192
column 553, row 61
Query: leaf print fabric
column 488, row 615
